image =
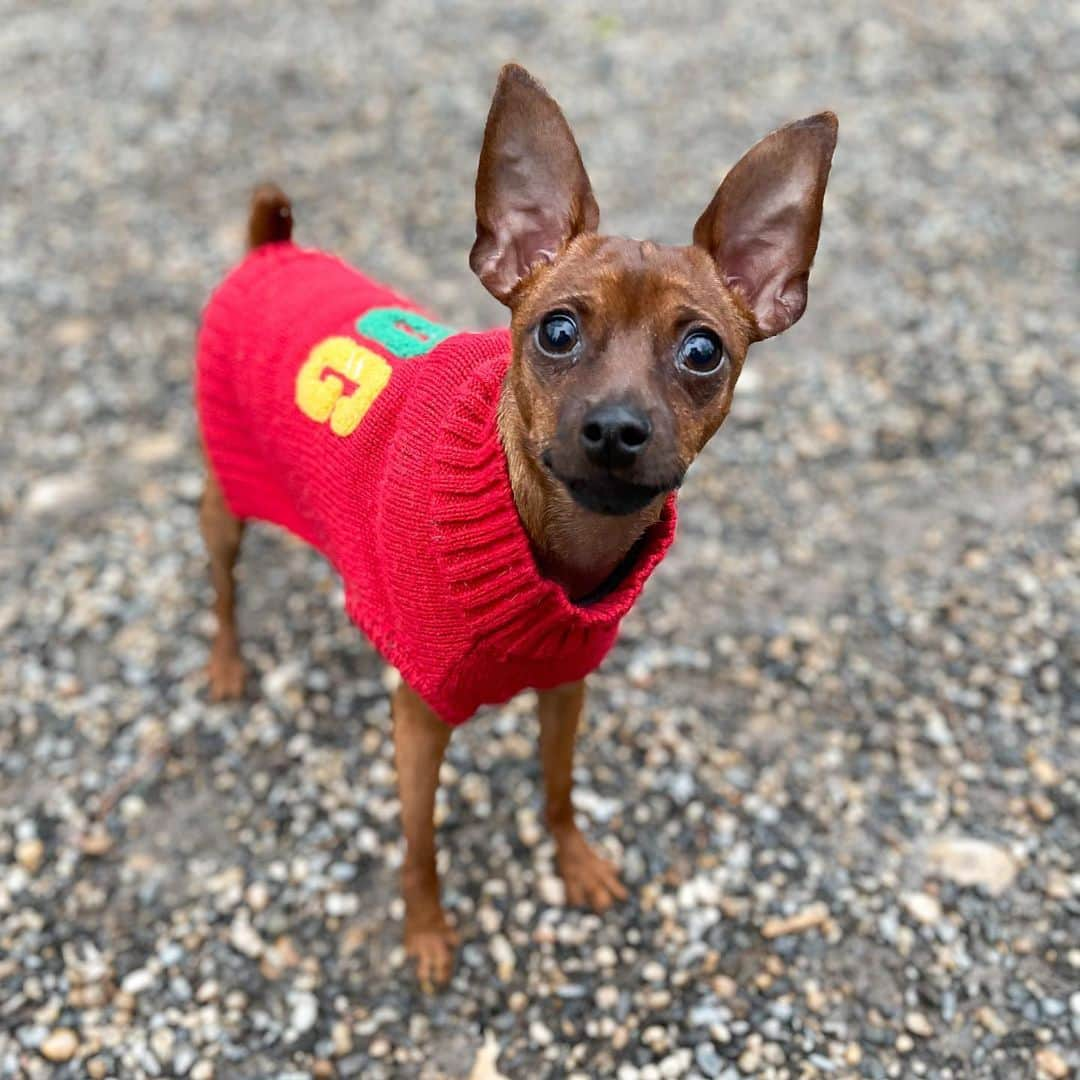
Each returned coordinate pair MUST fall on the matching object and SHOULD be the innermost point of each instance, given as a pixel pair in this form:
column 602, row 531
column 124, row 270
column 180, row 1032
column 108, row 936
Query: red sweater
column 329, row 405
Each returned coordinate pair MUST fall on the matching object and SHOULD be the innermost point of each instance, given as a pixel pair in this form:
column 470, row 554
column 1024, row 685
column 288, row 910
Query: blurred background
column 832, row 751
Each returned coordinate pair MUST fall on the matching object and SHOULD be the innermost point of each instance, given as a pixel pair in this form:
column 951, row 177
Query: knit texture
column 383, row 453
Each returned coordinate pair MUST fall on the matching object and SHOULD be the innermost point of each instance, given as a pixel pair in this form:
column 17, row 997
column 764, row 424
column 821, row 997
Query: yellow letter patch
column 339, row 381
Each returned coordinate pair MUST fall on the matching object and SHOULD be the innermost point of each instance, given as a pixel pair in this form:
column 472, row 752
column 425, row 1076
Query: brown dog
column 625, row 358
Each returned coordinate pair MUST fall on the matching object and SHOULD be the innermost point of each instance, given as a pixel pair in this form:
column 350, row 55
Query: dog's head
column 626, row 353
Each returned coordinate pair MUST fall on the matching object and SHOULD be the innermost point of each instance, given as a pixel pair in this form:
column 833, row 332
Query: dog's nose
column 614, row 435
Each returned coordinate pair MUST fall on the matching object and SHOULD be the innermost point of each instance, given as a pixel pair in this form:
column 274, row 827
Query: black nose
column 614, row 435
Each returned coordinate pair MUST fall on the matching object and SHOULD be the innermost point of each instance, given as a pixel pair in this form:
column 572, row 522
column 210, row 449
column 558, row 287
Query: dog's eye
column 557, row 333
column 701, row 353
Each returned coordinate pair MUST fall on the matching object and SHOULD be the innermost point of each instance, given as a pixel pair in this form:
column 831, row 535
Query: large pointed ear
column 532, row 192
column 762, row 224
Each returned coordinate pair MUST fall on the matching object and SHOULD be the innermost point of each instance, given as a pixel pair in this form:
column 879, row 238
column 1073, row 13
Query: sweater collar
column 486, row 555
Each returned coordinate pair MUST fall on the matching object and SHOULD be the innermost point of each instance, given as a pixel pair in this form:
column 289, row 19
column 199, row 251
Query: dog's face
column 625, row 358
column 626, row 353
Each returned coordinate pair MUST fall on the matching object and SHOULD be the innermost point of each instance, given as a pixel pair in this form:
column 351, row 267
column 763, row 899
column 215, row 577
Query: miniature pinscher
column 620, row 364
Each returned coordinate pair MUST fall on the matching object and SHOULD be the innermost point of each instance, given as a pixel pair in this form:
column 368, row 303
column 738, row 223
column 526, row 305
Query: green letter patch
column 403, row 333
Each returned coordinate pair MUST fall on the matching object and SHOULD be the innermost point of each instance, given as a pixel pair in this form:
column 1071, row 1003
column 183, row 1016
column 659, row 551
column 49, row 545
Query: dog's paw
column 226, row 674
column 432, row 947
column 590, row 879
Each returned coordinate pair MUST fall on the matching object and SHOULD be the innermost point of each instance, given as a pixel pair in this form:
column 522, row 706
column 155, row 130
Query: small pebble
column 540, row 1034
column 922, row 907
column 969, row 861
column 750, row 1060
column 303, row 1011
column 257, row 896
column 653, row 972
column 918, row 1024
column 605, row 956
column 341, row 1036
column 708, row 1060
column 30, row 854
column 991, row 1021
column 807, row 919
column 60, row 1045
column 137, row 981
column 1052, row 1063
column 1042, row 808
column 245, row 938
column 95, row 843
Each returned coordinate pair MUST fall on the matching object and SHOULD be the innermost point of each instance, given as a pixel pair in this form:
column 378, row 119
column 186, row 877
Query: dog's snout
column 614, row 434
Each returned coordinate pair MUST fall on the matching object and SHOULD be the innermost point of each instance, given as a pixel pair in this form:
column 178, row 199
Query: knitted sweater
column 331, row 406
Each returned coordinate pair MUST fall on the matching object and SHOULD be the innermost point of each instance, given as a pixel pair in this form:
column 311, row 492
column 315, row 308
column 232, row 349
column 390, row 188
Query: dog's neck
column 575, row 547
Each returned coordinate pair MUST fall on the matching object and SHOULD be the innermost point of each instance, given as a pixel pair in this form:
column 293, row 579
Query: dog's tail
column 271, row 216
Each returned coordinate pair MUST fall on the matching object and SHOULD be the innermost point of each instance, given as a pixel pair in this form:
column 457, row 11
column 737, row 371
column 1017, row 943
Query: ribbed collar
column 483, row 547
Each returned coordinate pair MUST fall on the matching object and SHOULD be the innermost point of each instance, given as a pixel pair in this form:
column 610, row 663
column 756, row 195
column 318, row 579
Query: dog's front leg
column 590, row 878
column 420, row 740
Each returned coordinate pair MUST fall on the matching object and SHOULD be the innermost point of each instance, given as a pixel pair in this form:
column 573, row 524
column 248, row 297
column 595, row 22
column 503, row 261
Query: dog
column 494, row 502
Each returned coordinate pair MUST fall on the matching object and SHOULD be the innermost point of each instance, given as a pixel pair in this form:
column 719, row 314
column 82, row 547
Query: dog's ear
column 532, row 192
column 762, row 224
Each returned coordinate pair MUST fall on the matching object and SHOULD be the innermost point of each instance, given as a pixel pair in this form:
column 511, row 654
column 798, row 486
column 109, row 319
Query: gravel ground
column 836, row 750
